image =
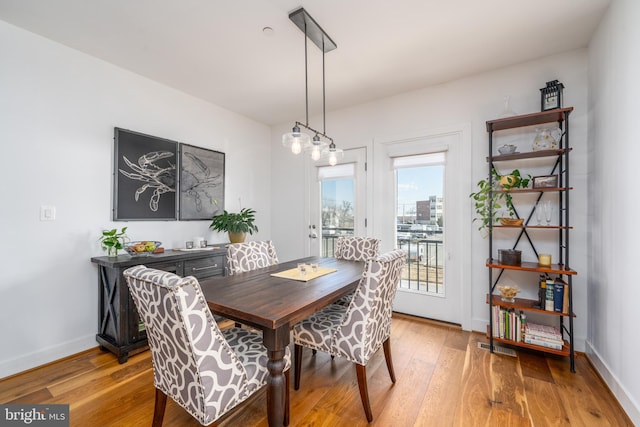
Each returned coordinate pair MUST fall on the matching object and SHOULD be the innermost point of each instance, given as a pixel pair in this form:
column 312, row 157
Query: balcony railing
column 424, row 271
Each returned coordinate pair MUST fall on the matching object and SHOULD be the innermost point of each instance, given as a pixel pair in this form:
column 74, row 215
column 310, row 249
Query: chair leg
column 158, row 410
column 297, row 360
column 361, row 371
column 287, row 384
column 387, row 357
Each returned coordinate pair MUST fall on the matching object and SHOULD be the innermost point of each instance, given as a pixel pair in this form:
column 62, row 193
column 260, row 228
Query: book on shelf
column 565, row 300
column 548, row 302
column 558, row 294
column 543, row 331
column 542, row 291
column 508, row 323
column 542, row 343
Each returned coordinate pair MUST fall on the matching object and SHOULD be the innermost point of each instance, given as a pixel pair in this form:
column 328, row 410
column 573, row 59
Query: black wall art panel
column 145, row 177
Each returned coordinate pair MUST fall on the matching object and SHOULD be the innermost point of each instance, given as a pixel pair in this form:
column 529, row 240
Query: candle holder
column 544, row 260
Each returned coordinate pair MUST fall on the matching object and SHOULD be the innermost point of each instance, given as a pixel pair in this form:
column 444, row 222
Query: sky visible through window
column 418, row 183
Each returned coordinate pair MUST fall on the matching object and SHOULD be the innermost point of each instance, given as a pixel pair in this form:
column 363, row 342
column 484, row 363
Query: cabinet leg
column 123, row 358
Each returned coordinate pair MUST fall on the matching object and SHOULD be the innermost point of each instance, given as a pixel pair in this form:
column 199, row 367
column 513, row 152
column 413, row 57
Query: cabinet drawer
column 204, row 267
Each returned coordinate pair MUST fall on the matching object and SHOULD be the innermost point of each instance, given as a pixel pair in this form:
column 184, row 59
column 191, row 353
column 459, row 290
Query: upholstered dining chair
column 355, row 249
column 250, row 256
column 356, row 332
column 203, row 369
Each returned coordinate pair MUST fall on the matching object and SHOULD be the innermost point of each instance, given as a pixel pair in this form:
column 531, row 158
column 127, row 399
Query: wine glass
column 539, row 212
column 548, row 210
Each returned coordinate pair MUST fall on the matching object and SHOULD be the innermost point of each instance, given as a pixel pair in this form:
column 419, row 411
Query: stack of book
column 507, row 323
column 543, row 335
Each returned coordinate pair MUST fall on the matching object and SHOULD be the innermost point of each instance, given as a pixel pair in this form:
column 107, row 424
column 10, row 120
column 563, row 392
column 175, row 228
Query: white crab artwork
column 160, row 179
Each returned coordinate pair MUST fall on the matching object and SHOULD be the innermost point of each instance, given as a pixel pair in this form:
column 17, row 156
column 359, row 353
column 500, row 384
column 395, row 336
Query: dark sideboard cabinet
column 120, row 329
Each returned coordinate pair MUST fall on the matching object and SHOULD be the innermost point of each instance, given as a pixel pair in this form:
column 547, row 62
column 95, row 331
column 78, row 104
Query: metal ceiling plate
column 310, row 27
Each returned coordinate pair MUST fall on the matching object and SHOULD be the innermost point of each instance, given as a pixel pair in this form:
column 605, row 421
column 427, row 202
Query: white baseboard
column 28, row 361
column 629, row 405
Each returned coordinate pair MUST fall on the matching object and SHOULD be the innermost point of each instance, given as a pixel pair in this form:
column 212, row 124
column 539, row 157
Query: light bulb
column 332, row 158
column 296, row 147
column 315, row 153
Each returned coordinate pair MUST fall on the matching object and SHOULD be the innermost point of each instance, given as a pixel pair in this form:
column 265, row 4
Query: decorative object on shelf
column 546, row 181
column 143, row 247
column 551, row 96
column 512, row 221
column 510, row 256
column 508, row 293
column 489, row 209
column 201, row 182
column 113, row 240
column 299, row 141
column 507, row 149
column 237, row 225
column 546, row 139
column 507, row 110
column 544, row 260
column 548, row 211
column 539, row 213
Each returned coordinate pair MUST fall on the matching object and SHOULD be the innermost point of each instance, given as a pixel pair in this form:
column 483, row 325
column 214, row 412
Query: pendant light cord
column 306, row 76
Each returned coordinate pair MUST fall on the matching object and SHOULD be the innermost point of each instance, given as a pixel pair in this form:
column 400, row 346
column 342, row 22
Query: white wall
column 58, row 109
column 471, row 101
column 614, row 294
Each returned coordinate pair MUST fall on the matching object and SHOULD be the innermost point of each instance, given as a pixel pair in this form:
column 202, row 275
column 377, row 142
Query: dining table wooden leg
column 276, row 341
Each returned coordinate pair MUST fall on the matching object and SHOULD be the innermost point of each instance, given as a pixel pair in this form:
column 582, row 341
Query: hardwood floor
column 443, row 379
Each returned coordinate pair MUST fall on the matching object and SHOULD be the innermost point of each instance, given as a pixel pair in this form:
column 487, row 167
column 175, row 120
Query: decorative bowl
column 142, row 247
column 508, row 293
column 512, row 221
column 507, row 149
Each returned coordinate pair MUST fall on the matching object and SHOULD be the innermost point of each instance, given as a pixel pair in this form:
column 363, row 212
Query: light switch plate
column 47, row 213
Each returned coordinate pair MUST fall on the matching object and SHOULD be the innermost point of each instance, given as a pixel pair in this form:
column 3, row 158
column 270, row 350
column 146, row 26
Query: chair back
column 367, row 321
column 192, row 361
column 250, row 256
column 356, row 248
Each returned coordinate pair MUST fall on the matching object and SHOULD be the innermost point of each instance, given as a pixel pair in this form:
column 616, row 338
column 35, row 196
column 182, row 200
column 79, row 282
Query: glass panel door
column 337, row 197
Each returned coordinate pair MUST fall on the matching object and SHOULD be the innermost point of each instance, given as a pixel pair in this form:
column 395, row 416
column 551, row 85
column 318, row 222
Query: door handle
column 313, row 235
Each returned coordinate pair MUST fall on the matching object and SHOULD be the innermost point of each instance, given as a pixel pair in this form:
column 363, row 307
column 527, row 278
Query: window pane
column 420, row 220
column 337, row 211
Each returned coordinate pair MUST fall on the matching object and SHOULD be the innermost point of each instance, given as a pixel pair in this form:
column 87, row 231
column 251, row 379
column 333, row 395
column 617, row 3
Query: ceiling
column 217, row 50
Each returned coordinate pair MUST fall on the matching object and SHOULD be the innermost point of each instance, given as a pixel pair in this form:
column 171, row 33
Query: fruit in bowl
column 143, row 247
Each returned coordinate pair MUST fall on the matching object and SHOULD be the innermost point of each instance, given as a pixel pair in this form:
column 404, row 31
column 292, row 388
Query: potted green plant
column 489, row 209
column 237, row 225
column 113, row 240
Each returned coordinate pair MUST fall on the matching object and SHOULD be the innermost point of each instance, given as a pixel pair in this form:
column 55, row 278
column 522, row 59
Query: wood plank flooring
column 443, row 379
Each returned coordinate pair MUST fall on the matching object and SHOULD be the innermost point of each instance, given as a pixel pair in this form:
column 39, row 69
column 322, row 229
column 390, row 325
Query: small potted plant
column 113, row 240
column 237, row 225
column 488, row 210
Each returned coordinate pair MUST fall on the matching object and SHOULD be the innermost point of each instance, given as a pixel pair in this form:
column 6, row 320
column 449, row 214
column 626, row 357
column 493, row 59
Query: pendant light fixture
column 296, row 140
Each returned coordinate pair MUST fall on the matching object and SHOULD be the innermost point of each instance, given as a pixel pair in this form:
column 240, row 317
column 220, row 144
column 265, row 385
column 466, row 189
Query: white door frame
column 458, row 237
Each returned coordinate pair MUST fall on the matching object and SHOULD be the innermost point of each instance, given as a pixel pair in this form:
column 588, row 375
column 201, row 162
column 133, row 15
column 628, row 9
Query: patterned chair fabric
column 358, row 331
column 250, row 256
column 206, row 371
column 355, row 249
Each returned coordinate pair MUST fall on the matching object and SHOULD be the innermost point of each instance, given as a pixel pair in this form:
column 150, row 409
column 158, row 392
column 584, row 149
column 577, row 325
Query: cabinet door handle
column 194, row 269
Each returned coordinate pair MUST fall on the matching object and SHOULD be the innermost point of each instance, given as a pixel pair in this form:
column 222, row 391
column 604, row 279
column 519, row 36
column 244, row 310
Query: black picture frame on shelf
column 201, row 183
column 145, row 177
column 545, row 181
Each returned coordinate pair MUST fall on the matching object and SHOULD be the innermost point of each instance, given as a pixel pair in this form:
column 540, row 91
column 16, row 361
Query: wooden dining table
column 274, row 305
